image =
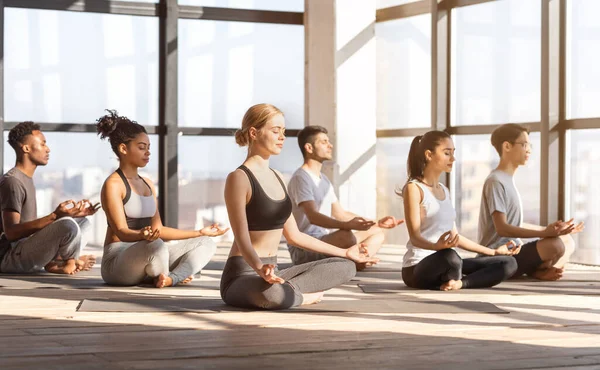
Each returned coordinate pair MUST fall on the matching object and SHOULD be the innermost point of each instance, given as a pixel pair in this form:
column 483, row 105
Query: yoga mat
column 403, row 306
column 210, row 305
column 152, row 304
column 507, row 288
column 395, row 288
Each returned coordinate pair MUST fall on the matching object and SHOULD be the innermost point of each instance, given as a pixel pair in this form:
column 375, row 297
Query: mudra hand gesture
column 213, row 230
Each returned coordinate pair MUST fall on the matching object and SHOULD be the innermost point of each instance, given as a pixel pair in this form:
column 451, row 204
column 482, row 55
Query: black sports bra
column 262, row 212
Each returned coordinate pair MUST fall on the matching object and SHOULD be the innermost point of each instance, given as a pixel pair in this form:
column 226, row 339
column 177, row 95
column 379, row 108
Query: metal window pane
column 404, row 72
column 225, row 67
column 69, row 67
column 583, row 52
column 495, row 65
column 584, row 198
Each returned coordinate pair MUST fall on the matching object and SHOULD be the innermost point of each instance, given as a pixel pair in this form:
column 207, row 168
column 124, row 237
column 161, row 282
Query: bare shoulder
column 113, row 183
column 412, row 191
column 238, row 178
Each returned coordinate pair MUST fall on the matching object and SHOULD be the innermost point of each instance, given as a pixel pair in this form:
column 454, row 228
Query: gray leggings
column 61, row 239
column 242, row 287
column 131, row 263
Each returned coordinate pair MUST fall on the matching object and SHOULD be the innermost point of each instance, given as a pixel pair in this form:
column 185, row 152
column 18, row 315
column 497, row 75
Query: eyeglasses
column 526, row 144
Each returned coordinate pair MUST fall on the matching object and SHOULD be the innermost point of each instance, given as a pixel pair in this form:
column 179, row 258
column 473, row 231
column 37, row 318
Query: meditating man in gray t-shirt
column 316, row 207
column 501, row 212
column 28, row 243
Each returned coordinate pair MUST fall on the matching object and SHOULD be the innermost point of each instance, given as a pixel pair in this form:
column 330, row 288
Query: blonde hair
column 256, row 116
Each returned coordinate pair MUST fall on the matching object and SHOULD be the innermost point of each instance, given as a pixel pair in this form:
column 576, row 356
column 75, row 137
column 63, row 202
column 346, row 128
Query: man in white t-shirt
column 316, row 207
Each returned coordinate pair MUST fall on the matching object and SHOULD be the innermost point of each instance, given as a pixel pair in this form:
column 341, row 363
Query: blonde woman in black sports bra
column 259, row 211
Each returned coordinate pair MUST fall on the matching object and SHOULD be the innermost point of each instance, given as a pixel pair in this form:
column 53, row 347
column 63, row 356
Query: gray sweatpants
column 62, row 238
column 242, row 287
column 130, row 263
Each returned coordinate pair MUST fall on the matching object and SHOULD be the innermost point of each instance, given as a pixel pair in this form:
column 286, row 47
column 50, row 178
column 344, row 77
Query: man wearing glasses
column 501, row 212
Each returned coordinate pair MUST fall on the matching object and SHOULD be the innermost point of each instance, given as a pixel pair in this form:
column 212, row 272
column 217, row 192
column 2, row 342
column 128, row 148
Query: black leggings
column 444, row 265
column 242, row 287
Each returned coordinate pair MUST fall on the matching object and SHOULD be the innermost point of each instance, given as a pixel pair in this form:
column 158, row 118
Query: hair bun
column 107, row 124
column 241, row 137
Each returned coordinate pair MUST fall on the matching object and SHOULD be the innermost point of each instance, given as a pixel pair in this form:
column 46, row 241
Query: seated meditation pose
column 431, row 262
column 501, row 212
column 260, row 211
column 135, row 248
column 29, row 244
column 316, row 207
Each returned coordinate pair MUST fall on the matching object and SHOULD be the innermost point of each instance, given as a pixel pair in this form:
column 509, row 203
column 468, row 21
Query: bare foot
column 312, row 298
column 549, row 274
column 68, row 267
column 163, row 281
column 87, row 262
column 187, row 280
column 451, row 285
column 363, row 265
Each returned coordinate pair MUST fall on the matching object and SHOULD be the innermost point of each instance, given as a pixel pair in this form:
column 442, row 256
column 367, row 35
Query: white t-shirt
column 303, row 187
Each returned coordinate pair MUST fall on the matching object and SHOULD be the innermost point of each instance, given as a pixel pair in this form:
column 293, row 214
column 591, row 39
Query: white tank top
column 437, row 217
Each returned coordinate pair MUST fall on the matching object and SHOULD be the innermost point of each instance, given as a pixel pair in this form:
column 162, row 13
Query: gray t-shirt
column 304, row 186
column 499, row 194
column 17, row 193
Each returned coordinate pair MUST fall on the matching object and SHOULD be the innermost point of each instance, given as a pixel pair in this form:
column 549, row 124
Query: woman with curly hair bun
column 134, row 248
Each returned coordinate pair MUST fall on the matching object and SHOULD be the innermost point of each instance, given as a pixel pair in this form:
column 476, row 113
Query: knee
column 275, row 297
column 380, row 234
column 557, row 247
column 67, row 226
column 203, row 251
column 207, row 245
column 346, row 238
column 345, row 269
column 451, row 257
column 568, row 244
column 84, row 224
column 156, row 248
column 510, row 266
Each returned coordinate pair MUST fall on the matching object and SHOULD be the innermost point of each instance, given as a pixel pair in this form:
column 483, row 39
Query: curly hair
column 118, row 129
column 18, row 133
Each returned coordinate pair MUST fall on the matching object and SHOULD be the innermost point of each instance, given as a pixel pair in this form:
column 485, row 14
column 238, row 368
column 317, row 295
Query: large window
column 496, row 63
column 584, row 198
column 225, row 67
column 67, row 67
column 404, row 73
column 583, row 53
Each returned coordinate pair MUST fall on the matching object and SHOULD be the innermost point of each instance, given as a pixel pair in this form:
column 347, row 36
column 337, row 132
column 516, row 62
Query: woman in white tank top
column 431, row 261
column 135, row 248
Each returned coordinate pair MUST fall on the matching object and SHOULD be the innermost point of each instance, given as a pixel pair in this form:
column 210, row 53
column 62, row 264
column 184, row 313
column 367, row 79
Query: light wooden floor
column 550, row 326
